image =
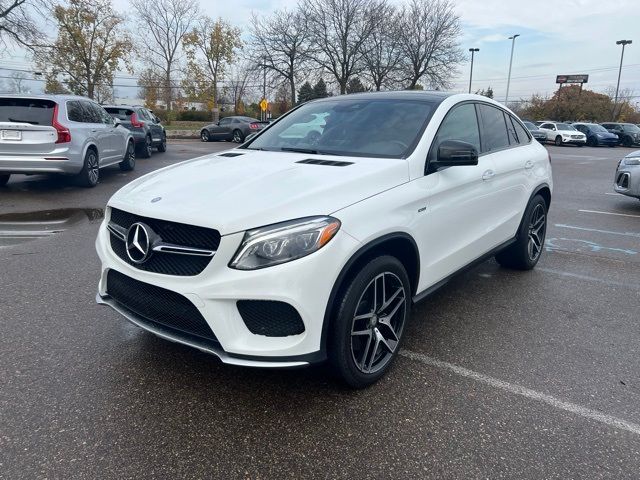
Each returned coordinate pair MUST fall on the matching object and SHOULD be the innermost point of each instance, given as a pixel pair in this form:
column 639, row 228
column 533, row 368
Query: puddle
column 18, row 228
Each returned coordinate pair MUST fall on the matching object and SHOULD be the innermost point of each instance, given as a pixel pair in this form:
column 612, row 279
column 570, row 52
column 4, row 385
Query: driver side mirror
column 453, row 153
column 116, row 122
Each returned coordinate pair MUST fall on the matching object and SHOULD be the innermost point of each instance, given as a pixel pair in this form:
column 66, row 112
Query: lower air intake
column 270, row 318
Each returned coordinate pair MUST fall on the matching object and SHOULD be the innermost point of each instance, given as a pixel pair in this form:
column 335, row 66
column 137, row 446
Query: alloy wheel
column 237, row 136
column 378, row 322
column 537, row 230
column 204, row 136
column 148, row 146
column 93, row 168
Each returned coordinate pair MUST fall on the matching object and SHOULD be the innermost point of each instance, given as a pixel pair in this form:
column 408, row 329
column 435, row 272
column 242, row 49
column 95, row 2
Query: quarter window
column 75, row 112
column 494, row 129
column 461, row 123
column 523, row 135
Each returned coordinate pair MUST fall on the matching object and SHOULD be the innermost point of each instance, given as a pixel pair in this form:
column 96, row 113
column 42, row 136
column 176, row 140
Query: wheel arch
column 400, row 245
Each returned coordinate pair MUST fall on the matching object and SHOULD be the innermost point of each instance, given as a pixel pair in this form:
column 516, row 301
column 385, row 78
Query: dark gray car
column 145, row 127
column 232, row 128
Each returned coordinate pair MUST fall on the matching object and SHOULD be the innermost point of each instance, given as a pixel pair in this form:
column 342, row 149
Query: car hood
column 606, row 134
column 256, row 188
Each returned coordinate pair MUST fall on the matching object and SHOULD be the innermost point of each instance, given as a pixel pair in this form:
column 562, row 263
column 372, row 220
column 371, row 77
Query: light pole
column 624, row 43
column 472, row 50
column 513, row 42
column 264, row 85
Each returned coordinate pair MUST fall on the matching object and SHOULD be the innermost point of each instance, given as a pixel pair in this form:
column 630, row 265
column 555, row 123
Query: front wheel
column 525, row 252
column 128, row 163
column 592, row 142
column 627, row 142
column 370, row 320
column 204, row 136
column 147, row 148
column 558, row 141
column 163, row 144
column 4, row 179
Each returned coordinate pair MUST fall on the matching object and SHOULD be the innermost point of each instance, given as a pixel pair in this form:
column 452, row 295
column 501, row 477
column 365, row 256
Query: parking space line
column 610, row 213
column 588, row 278
column 550, row 400
column 625, row 234
column 611, row 193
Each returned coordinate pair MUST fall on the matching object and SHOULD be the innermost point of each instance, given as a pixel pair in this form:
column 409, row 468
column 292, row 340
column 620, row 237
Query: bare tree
column 166, row 23
column 338, row 31
column 17, row 23
column 382, row 52
column 237, row 85
column 16, row 83
column 429, row 31
column 280, row 45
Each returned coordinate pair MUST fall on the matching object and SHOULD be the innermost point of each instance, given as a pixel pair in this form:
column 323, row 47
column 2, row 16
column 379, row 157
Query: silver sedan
column 627, row 180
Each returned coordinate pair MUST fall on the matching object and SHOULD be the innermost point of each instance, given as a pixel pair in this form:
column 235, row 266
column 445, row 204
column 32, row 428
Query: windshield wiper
column 24, row 121
column 310, row 151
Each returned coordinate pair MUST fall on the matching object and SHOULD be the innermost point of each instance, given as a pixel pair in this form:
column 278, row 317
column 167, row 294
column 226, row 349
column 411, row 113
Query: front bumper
column 305, row 284
column 627, row 180
column 574, row 141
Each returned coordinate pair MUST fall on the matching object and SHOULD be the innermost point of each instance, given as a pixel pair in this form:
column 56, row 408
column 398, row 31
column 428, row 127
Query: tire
column 558, row 141
column 129, row 161
column 4, row 179
column 163, row 144
column 238, row 137
column 579, row 145
column 89, row 176
column 527, row 249
column 147, row 148
column 626, row 141
column 362, row 359
column 204, row 136
column 592, row 142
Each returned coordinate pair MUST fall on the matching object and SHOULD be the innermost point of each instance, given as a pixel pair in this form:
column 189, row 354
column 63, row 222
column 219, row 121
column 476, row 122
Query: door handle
column 528, row 165
column 488, row 175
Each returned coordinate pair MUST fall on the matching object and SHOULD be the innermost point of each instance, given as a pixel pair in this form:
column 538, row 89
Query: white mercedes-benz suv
column 291, row 250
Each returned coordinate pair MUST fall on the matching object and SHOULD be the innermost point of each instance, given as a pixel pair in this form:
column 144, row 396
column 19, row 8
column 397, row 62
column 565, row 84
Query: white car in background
column 563, row 134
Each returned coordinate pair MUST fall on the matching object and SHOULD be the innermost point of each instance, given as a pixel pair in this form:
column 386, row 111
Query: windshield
column 597, row 128
column 630, row 127
column 564, row 126
column 530, row 126
column 362, row 127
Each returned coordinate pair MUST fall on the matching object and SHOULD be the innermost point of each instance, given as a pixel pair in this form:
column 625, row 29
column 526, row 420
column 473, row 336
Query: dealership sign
column 572, row 78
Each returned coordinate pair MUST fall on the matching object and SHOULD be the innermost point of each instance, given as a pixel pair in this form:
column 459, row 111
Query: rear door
column 154, row 127
column 97, row 130
column 117, row 136
column 26, row 127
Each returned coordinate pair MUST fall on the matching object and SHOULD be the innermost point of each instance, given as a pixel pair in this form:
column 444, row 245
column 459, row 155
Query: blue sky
column 556, row 37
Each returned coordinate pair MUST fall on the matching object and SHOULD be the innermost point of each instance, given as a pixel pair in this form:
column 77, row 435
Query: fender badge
column 157, row 199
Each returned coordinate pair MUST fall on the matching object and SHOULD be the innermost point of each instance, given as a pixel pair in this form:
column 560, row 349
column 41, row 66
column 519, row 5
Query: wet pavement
column 503, row 375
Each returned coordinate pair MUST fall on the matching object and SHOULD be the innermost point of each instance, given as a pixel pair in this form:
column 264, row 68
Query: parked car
column 60, row 134
column 146, row 129
column 232, row 128
column 285, row 252
column 538, row 134
column 597, row 135
column 628, row 133
column 627, row 180
column 563, row 134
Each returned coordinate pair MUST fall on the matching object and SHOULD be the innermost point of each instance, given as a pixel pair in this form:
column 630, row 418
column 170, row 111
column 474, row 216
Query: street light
column 624, row 43
column 472, row 50
column 513, row 42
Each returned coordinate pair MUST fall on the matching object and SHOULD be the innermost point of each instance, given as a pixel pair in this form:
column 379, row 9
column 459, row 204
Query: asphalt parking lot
column 503, row 374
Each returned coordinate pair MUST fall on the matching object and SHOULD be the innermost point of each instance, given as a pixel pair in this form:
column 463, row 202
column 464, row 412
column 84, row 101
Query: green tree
column 305, row 93
column 320, row 89
column 151, row 85
column 355, row 86
column 91, row 45
column 210, row 47
column 486, row 93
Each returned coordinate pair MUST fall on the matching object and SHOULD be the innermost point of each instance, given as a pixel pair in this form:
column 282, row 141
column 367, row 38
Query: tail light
column 254, row 126
column 135, row 123
column 64, row 135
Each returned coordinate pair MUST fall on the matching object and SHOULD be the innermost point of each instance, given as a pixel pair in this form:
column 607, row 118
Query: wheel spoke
column 361, row 333
column 391, row 299
column 380, row 338
column 372, row 355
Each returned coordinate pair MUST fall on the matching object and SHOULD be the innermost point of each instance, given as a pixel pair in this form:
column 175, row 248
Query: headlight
column 566, row 134
column 599, row 135
column 631, row 161
column 283, row 242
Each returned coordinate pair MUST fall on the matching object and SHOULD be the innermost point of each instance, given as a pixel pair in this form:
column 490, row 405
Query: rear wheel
column 370, row 321
column 558, row 141
column 238, row 137
column 525, row 252
column 129, row 161
column 163, row 144
column 146, row 148
column 4, row 179
column 204, row 136
column 89, row 176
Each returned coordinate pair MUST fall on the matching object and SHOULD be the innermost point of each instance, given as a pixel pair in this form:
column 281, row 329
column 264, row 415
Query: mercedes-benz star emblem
column 138, row 243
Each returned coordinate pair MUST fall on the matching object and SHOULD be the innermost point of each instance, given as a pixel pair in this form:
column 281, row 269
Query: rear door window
column 493, row 129
column 27, row 110
column 92, row 114
column 75, row 112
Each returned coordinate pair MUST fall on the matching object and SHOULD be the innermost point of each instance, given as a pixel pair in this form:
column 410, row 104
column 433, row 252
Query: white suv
column 289, row 251
column 562, row 134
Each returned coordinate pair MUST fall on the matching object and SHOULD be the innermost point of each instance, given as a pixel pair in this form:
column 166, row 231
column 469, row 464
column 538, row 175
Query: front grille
column 576, row 136
column 158, row 305
column 170, row 232
column 270, row 318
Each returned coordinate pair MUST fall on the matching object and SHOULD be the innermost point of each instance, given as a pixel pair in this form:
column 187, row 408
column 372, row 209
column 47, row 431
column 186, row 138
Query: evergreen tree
column 320, row 89
column 355, row 86
column 305, row 93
